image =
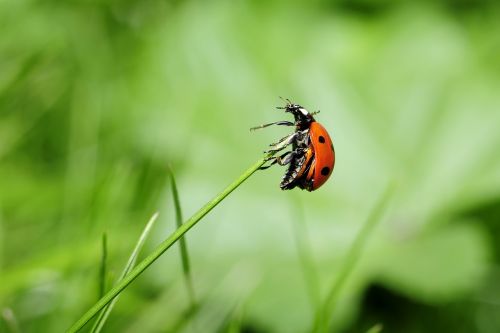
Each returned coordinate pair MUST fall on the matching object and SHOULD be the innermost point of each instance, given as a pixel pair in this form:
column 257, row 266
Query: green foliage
column 324, row 313
column 444, row 262
column 97, row 97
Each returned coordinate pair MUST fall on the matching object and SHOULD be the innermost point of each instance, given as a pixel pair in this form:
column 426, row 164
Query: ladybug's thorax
column 303, row 118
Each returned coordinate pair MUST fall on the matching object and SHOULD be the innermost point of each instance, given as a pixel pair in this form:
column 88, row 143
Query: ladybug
column 312, row 158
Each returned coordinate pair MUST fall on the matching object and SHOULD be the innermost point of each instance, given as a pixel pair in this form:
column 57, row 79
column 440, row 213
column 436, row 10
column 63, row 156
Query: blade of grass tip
column 377, row 328
column 10, row 321
column 322, row 322
column 103, row 316
column 102, row 270
column 303, row 244
column 186, row 267
column 164, row 246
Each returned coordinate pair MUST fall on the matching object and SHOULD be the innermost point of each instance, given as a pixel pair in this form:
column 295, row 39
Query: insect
column 312, row 158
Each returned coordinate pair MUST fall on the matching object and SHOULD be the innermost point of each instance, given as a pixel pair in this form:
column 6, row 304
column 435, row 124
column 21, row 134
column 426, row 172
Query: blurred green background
column 98, row 97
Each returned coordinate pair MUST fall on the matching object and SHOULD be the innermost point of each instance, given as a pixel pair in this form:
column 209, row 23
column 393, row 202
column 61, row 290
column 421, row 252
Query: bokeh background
column 98, row 97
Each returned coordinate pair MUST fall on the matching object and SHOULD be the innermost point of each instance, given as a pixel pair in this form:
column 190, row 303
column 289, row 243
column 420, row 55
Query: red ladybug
column 312, row 157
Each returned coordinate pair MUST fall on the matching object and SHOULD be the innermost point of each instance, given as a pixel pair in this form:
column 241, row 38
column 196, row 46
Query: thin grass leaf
column 186, row 267
column 164, row 246
column 322, row 321
column 103, row 269
column 103, row 316
column 303, row 245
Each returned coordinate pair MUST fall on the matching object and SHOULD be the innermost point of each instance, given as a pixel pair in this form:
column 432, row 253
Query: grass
column 323, row 309
column 98, row 96
column 186, row 267
column 103, row 315
column 103, row 270
column 164, row 246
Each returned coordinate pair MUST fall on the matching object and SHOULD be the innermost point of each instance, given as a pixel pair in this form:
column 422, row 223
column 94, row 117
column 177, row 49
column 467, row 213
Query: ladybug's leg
column 282, row 122
column 299, row 137
column 283, row 143
column 281, row 160
column 284, row 159
column 280, row 141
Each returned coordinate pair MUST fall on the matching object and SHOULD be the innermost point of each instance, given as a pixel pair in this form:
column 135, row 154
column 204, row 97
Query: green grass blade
column 103, row 316
column 103, row 269
column 186, row 267
column 164, row 246
column 322, row 321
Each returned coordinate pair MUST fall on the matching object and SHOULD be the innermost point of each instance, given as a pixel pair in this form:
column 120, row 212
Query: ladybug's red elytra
column 312, row 158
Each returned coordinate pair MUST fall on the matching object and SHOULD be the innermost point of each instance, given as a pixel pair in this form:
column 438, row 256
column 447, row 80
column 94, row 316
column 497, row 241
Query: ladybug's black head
column 302, row 117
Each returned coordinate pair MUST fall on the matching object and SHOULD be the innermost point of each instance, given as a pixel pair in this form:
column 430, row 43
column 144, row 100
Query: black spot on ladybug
column 333, row 148
column 325, row 171
column 321, row 139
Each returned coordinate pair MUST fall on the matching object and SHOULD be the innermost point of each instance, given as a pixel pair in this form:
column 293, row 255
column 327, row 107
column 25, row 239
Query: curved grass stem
column 164, row 246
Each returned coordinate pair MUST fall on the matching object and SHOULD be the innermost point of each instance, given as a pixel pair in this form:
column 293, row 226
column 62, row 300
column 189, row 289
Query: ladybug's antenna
column 286, row 100
column 315, row 112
